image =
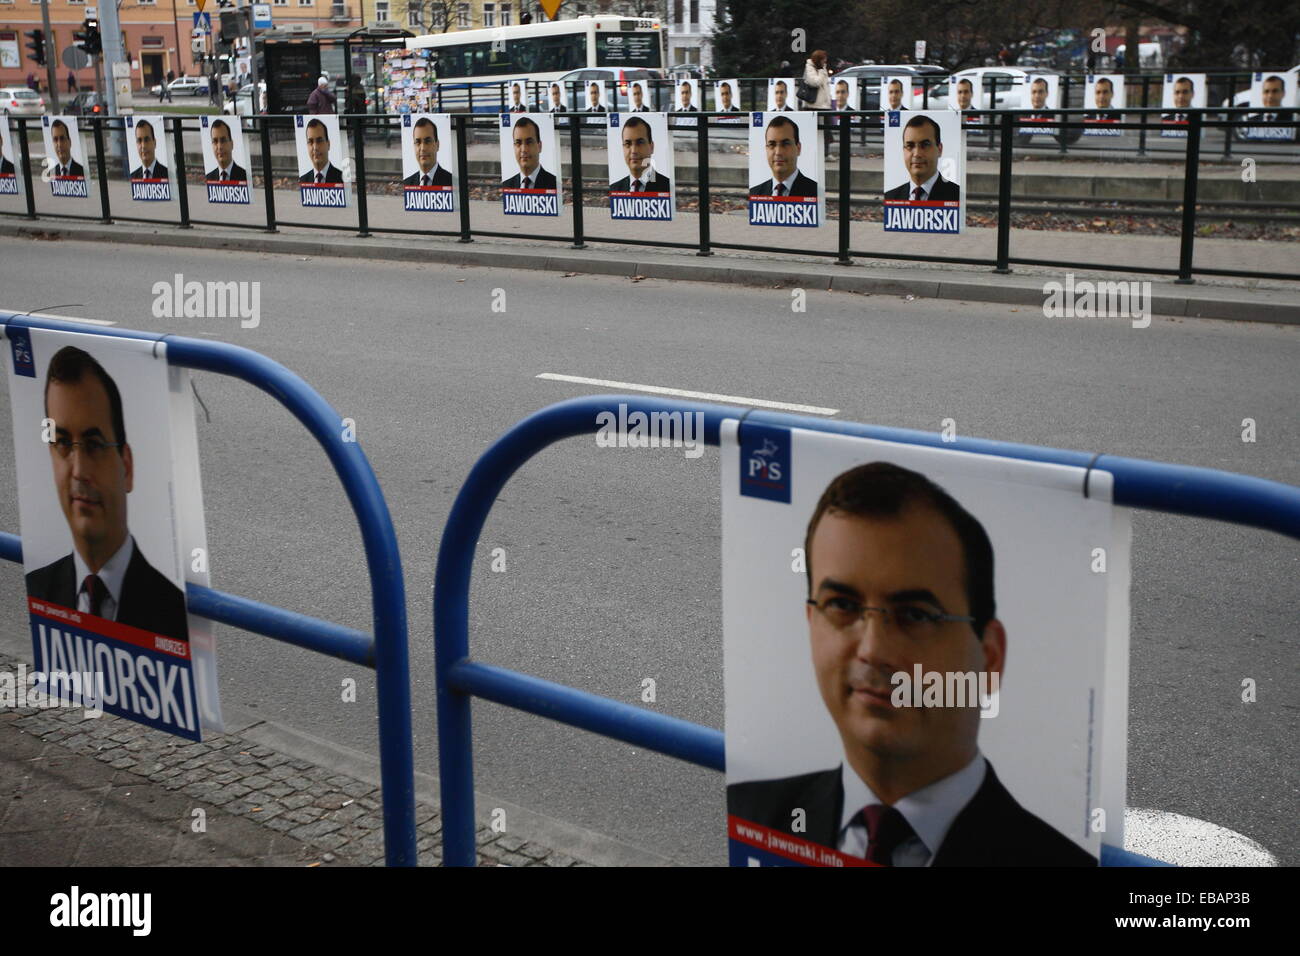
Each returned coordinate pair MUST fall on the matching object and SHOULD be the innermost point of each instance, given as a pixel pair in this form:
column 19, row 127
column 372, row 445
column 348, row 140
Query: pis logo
column 765, row 462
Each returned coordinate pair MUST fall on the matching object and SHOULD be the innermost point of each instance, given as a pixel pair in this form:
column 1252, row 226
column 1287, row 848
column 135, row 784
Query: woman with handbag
column 815, row 88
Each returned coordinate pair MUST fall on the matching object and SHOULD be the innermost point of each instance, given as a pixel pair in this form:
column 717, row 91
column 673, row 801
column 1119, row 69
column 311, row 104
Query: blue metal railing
column 1177, row 489
column 386, row 651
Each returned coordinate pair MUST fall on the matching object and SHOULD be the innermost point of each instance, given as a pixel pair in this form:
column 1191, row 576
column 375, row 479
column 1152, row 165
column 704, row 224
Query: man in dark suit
column 593, row 98
column 223, row 151
column 637, row 92
column 6, row 167
column 725, row 104
column 318, row 152
column 783, row 151
column 527, row 141
column 900, row 578
column 94, row 470
column 780, row 94
column 922, row 147
column 638, row 153
column 517, row 104
column 147, row 146
column 424, row 141
column 64, row 164
column 685, row 102
column 557, row 99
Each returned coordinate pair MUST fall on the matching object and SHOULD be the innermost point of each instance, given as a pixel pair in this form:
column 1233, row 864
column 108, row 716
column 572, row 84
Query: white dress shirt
column 928, row 186
column 113, row 574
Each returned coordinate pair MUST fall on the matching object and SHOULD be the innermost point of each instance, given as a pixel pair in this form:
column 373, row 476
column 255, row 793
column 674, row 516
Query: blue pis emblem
column 758, row 120
column 894, row 117
column 406, row 120
column 299, row 122
column 24, row 360
column 505, row 120
column 765, row 462
column 613, row 121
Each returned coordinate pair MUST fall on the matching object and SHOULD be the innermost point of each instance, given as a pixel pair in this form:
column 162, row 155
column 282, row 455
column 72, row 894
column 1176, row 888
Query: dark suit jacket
column 640, row 109
column 943, row 191
column 148, row 600
column 332, row 175
column 6, row 167
column 560, row 109
column 594, row 109
column 518, row 109
column 441, row 178
column 660, row 184
column 803, row 186
column 74, row 168
column 159, row 172
column 689, row 109
column 543, row 180
column 991, row 830
column 237, row 174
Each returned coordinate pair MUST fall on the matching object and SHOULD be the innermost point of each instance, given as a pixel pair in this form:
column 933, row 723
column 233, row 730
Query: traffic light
column 88, row 38
column 36, row 44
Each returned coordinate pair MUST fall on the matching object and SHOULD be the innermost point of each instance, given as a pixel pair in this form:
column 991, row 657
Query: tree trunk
column 1132, row 46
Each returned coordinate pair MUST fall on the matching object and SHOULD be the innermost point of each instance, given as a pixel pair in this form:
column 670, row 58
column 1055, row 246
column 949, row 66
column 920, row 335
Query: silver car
column 20, row 101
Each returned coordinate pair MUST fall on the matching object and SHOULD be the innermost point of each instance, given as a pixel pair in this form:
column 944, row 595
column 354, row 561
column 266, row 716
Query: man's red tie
column 95, row 587
column 780, row 189
column 887, row 829
column 918, row 193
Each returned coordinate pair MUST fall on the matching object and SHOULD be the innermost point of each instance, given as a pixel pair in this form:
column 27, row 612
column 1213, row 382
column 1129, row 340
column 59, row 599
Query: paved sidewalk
column 109, row 792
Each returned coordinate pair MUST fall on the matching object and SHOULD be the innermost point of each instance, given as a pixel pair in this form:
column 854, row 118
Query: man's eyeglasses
column 913, row 620
column 93, row 448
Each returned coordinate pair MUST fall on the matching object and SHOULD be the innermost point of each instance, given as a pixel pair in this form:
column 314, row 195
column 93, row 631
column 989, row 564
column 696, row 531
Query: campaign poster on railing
column 1273, row 96
column 323, row 168
column 962, row 97
column 780, row 95
column 925, row 654
column 896, row 93
column 726, row 97
column 557, row 98
column 10, row 158
column 1103, row 96
column 1042, row 94
column 225, row 161
column 146, row 158
column 844, row 93
column 641, row 170
column 1180, row 92
column 594, row 97
column 785, row 170
column 639, row 97
column 530, row 159
column 517, row 95
column 925, row 172
column 65, row 157
column 686, row 99
column 428, row 163
column 111, row 514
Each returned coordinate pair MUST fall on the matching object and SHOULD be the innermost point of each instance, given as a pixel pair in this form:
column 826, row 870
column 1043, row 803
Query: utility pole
column 110, row 31
column 51, row 78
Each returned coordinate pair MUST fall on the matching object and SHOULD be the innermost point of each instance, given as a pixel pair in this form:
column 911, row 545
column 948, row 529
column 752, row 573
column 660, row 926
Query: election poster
column 10, row 158
column 641, row 173
column 925, row 172
column 1179, row 93
column 146, row 158
column 110, row 509
column 686, row 99
column 595, row 97
column 557, row 98
column 1042, row 97
column 323, row 168
column 65, row 157
column 726, row 96
column 516, row 91
column 896, row 93
column 785, row 170
column 640, row 98
column 530, row 161
column 428, row 163
column 1273, row 99
column 780, row 95
column 844, row 93
column 922, row 664
column 225, row 162
column 1103, row 96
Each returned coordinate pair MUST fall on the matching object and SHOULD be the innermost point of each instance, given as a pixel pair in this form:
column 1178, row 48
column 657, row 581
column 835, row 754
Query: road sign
column 920, row 51
column 200, row 4
column 74, row 58
column 262, row 16
column 551, row 6
column 203, row 22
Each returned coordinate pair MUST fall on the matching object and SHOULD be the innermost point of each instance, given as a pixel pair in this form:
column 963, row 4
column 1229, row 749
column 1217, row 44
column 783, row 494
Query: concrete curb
column 1168, row 299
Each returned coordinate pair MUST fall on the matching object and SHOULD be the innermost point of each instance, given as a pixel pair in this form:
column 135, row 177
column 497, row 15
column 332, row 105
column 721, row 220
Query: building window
column 462, row 16
column 438, row 17
column 695, row 12
column 489, row 14
column 678, row 6
column 414, row 16
column 505, row 14
column 381, row 9
column 280, row 3
column 152, row 41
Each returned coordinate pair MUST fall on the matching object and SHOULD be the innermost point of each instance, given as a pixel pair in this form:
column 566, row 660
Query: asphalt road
column 612, row 559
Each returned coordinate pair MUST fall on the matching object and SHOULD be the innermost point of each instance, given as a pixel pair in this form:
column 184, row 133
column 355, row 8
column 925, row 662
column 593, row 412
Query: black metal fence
column 1002, row 127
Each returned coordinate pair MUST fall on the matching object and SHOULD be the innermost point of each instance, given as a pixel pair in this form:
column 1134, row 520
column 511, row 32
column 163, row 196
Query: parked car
column 20, row 101
column 616, row 75
column 88, row 103
column 192, row 85
column 242, row 102
column 869, row 76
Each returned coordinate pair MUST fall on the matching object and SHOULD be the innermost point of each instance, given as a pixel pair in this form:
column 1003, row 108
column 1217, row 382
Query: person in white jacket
column 816, row 76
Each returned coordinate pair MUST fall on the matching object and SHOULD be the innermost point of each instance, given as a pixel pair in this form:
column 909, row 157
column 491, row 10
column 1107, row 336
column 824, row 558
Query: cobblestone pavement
column 109, row 792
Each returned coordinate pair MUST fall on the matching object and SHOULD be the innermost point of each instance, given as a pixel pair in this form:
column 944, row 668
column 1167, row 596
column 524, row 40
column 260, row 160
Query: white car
column 1242, row 99
column 20, row 101
column 193, row 85
column 1007, row 83
column 242, row 102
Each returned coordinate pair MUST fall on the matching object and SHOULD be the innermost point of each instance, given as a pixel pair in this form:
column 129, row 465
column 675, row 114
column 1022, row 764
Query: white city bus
column 542, row 52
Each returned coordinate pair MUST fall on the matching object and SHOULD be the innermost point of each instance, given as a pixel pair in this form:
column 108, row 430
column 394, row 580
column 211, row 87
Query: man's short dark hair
column 1107, row 80
column 638, row 121
column 222, row 123
column 1185, row 79
column 883, row 490
column 324, row 129
column 779, row 83
column 139, row 123
column 56, row 124
column 783, row 121
column 1270, row 79
column 525, row 121
column 921, row 120
column 1037, row 80
column 69, row 366
column 966, row 80
column 425, row 121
